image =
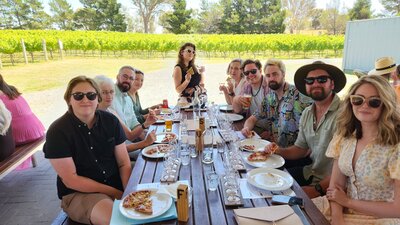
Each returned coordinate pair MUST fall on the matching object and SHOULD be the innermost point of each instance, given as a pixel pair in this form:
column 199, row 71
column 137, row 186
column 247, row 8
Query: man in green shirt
column 321, row 82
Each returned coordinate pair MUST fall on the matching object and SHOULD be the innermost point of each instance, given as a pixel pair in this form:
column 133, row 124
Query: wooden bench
column 20, row 154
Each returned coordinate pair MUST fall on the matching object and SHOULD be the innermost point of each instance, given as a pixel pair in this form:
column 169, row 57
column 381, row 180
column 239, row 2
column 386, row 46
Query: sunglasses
column 321, row 79
column 373, row 102
column 190, row 51
column 127, row 77
column 78, row 96
column 253, row 71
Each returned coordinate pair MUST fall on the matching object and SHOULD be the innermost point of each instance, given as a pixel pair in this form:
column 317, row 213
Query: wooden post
column 24, row 51
column 60, row 47
column 182, row 203
column 44, row 50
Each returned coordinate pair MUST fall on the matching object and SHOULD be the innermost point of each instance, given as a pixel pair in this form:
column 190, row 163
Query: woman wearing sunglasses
column 107, row 91
column 365, row 180
column 86, row 148
column 187, row 77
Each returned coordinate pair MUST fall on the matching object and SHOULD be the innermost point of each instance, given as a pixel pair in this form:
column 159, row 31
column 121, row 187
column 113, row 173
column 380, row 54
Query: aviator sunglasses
column 321, row 79
column 358, row 100
column 89, row 95
column 253, row 71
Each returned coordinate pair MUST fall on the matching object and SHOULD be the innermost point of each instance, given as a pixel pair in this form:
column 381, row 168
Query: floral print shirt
column 284, row 115
column 375, row 171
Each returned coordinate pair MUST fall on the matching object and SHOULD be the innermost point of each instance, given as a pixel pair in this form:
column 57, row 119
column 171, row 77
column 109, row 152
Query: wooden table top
column 207, row 206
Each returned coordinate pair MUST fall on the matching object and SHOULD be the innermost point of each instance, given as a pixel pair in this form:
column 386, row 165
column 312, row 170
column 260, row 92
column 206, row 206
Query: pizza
column 159, row 149
column 258, row 156
column 190, row 71
column 151, row 151
column 274, row 147
column 168, row 137
column 248, row 147
column 140, row 201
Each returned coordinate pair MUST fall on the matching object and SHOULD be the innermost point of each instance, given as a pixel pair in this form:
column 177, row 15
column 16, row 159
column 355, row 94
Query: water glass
column 212, row 180
column 193, row 152
column 185, row 156
column 207, row 156
column 221, row 146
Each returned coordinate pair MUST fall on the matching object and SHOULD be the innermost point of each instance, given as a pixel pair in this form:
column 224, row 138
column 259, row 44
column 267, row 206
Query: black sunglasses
column 358, row 100
column 253, row 71
column 190, row 51
column 321, row 79
column 89, row 95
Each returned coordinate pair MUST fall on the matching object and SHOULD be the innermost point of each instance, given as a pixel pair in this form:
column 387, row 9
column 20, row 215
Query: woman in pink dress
column 26, row 127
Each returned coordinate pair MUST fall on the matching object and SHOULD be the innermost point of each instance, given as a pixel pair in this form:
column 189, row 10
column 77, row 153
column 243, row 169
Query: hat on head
column 335, row 73
column 383, row 65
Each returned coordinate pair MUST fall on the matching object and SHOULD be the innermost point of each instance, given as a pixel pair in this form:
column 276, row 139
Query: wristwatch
column 144, row 128
column 319, row 189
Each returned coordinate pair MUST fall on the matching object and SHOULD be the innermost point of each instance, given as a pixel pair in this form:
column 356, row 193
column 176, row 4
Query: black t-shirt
column 195, row 81
column 92, row 150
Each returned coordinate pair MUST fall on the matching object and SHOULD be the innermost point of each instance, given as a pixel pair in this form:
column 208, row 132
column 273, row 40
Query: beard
column 319, row 96
column 124, row 86
column 274, row 85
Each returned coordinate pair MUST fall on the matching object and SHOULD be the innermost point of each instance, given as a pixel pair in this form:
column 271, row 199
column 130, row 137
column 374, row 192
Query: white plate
column 259, row 144
column 226, row 108
column 232, row 116
column 270, row 179
column 161, row 203
column 160, row 137
column 154, row 155
column 274, row 161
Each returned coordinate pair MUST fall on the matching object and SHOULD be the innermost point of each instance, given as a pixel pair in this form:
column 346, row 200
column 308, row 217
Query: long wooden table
column 208, row 207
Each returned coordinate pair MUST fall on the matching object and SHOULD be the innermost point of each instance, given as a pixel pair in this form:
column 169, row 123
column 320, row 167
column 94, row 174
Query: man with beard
column 123, row 104
column 321, row 82
column 280, row 110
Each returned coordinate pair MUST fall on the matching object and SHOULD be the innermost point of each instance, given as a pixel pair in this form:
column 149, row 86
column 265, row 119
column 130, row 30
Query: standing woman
column 365, row 181
column 235, row 81
column 87, row 150
column 185, row 80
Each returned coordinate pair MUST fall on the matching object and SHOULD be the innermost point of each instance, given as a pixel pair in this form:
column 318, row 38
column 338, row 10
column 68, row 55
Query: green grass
column 47, row 75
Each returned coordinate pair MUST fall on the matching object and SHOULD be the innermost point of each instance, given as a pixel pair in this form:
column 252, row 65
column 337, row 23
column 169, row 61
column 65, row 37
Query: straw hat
column 335, row 73
column 383, row 65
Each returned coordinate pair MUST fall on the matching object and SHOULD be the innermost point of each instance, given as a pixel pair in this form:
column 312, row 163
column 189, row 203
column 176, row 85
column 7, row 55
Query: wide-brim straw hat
column 383, row 66
column 335, row 73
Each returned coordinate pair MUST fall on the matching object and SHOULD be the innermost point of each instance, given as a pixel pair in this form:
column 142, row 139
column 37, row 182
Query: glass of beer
column 168, row 122
column 247, row 104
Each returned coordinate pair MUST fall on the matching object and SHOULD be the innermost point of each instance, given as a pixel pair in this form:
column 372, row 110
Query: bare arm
column 180, row 87
column 124, row 163
column 237, row 104
column 337, row 180
column 248, row 126
column 66, row 170
column 150, row 138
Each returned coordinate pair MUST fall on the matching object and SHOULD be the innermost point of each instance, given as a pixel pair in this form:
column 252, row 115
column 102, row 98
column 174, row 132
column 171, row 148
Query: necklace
column 259, row 88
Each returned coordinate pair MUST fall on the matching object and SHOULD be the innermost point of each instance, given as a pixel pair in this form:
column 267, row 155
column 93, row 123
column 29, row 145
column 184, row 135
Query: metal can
column 165, row 103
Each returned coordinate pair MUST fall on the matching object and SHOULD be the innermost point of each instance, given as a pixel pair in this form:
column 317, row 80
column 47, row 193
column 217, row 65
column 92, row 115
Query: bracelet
column 143, row 127
column 319, row 189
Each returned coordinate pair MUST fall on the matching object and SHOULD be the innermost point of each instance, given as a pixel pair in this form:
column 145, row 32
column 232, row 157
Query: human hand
column 271, row 148
column 188, row 77
column 310, row 191
column 151, row 118
column 150, row 138
column 115, row 193
column 223, row 88
column 245, row 101
column 202, row 69
column 189, row 90
column 247, row 132
column 157, row 111
column 338, row 195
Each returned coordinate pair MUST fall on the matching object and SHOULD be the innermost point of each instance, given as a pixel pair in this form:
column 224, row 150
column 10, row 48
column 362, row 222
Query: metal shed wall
column 367, row 40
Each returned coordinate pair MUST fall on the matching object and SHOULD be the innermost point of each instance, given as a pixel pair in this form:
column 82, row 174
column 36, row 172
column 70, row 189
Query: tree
column 21, row 14
column 361, row 10
column 257, row 16
column 392, row 6
column 316, row 18
column 100, row 15
column 179, row 21
column 298, row 13
column 209, row 18
column 62, row 14
column 148, row 9
column 332, row 20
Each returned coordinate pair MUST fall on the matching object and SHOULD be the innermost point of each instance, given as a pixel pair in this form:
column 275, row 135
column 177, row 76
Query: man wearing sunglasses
column 281, row 109
column 321, row 82
column 123, row 104
column 256, row 87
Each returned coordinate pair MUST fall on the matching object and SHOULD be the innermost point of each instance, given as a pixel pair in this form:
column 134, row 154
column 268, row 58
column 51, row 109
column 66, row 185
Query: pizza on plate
column 258, row 156
column 151, row 151
column 168, row 137
column 140, row 201
column 248, row 147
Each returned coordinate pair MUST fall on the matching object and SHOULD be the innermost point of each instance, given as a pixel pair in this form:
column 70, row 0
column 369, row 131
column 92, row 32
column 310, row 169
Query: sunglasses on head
column 321, row 79
column 358, row 100
column 253, row 71
column 190, row 51
column 78, row 96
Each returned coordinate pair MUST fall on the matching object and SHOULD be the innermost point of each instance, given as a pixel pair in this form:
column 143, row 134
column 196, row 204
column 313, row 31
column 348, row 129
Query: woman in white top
column 235, row 81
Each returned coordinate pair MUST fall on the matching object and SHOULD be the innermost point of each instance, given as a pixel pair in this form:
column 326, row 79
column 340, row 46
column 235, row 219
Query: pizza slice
column 152, row 151
column 137, row 198
column 258, row 156
column 190, row 71
column 248, row 147
column 145, row 206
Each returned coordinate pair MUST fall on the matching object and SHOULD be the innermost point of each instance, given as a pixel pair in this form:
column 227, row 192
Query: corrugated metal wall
column 367, row 40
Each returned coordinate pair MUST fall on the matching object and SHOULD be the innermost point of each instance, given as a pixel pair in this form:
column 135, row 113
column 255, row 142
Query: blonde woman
column 235, row 81
column 365, row 182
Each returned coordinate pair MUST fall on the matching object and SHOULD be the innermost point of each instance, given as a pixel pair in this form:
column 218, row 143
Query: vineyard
column 116, row 44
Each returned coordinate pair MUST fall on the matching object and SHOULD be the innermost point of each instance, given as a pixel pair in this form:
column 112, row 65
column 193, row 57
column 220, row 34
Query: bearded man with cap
column 321, row 82
column 386, row 67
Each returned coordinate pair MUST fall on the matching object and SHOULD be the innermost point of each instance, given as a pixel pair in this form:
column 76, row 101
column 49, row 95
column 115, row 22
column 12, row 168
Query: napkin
column 279, row 215
column 118, row 219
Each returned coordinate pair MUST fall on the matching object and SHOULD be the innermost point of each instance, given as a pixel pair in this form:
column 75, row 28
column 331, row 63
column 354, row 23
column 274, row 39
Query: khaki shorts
column 78, row 206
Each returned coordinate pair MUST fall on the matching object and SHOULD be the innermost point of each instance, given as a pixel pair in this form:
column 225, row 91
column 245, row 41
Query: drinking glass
column 212, row 180
column 168, row 122
column 185, row 155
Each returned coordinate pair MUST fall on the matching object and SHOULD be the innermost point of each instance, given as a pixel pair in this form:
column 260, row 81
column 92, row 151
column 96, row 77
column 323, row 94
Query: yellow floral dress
column 372, row 178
